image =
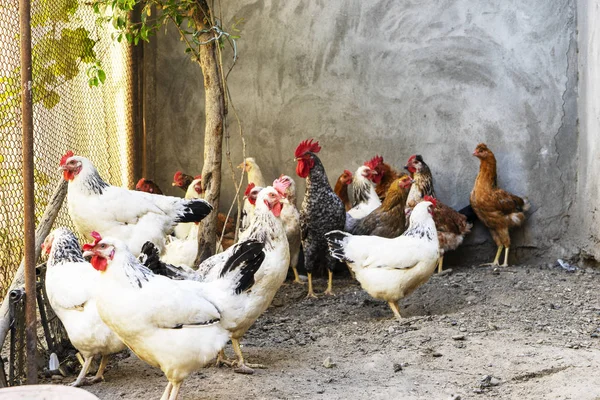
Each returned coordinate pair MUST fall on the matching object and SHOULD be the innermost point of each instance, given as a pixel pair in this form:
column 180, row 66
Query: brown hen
column 496, row 208
column 387, row 220
column 385, row 175
column 451, row 225
column 341, row 188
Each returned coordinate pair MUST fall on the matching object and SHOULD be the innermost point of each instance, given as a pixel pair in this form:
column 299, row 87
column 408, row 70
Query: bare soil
column 523, row 332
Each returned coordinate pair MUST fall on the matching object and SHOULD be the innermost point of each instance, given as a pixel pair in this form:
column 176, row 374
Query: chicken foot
column 296, row 276
column 222, row 359
column 311, row 293
column 506, row 257
column 99, row 377
column 329, row 290
column 84, row 369
column 241, row 367
column 394, row 306
column 440, row 263
column 497, row 258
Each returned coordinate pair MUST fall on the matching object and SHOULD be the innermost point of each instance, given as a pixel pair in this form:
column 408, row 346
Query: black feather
column 247, row 257
column 194, row 211
column 151, row 260
column 469, row 213
column 336, row 241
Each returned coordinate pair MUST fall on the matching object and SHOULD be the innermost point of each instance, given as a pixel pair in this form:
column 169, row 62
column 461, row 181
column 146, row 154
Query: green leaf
column 101, row 75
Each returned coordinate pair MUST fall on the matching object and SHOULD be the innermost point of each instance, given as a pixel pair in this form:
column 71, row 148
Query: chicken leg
column 394, row 306
column 440, row 263
column 175, row 390
column 296, row 276
column 311, row 293
column 167, row 391
column 84, row 369
column 496, row 259
column 506, row 257
column 222, row 359
column 100, row 373
column 241, row 366
column 329, row 290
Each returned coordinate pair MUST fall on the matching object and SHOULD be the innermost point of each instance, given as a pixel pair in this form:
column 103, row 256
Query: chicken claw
column 222, row 360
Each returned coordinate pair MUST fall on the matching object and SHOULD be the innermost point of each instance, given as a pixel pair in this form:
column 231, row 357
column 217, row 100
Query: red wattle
column 276, row 210
column 99, row 263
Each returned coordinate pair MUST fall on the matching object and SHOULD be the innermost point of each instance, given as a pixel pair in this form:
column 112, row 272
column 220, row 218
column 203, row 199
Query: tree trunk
column 214, row 109
column 43, row 229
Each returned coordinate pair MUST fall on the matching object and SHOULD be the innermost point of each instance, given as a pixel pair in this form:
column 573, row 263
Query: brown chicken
column 451, row 225
column 148, row 186
column 341, row 188
column 229, row 236
column 385, row 175
column 387, row 220
column 497, row 209
column 182, row 180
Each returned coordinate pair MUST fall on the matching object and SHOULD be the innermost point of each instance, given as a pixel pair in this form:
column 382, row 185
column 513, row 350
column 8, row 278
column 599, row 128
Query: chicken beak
column 241, row 165
column 62, row 168
column 475, row 153
column 173, row 184
column 88, row 253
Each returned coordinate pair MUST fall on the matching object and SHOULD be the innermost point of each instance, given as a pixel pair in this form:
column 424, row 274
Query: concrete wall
column 586, row 230
column 393, row 78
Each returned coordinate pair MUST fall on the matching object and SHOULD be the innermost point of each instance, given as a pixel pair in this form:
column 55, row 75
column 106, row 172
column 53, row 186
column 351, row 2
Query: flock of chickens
column 135, row 284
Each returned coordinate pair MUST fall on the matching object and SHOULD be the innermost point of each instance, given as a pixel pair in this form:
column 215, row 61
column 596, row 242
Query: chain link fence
column 68, row 47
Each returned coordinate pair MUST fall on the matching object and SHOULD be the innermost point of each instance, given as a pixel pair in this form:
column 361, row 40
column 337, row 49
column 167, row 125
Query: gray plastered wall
column 398, row 78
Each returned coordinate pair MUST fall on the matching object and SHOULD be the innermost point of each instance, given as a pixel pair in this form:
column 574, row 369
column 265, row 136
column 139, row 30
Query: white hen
column 194, row 191
column 290, row 217
column 132, row 216
column 71, row 287
column 390, row 269
column 243, row 310
column 171, row 324
column 249, row 203
column 364, row 195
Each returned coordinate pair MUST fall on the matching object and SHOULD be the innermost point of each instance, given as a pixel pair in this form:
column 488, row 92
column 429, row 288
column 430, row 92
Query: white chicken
column 290, row 217
column 253, row 170
column 175, row 325
column 249, row 203
column 242, row 311
column 194, row 191
column 132, row 216
column 365, row 197
column 390, row 269
column 71, row 287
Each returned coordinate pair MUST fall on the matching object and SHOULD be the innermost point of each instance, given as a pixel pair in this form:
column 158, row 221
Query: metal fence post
column 29, row 206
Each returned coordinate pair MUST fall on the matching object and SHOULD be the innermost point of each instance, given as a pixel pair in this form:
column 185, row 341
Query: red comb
column 140, row 183
column 177, row 175
column 198, row 177
column 249, row 189
column 430, row 199
column 64, row 158
column 412, row 158
column 348, row 173
column 305, row 146
column 374, row 162
column 97, row 238
column 281, row 185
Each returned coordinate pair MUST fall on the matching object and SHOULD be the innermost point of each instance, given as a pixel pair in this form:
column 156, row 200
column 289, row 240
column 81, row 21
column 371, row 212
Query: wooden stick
column 41, row 232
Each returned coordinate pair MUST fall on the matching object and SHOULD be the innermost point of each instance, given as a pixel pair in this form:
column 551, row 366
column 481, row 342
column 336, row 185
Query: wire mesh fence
column 95, row 122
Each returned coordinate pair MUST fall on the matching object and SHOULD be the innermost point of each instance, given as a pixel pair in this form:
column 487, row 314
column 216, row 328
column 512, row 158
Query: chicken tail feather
column 151, row 260
column 336, row 240
column 194, row 211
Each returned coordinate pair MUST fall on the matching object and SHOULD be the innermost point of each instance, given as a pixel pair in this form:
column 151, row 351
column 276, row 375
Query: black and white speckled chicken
column 322, row 211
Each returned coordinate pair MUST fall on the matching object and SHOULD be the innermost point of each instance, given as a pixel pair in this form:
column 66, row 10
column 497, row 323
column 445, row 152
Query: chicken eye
column 102, row 246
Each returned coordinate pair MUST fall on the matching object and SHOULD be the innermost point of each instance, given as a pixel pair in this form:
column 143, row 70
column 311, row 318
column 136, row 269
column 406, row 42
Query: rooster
column 175, row 325
column 385, row 175
column 451, row 225
column 341, row 188
column 365, row 197
column 497, row 209
column 387, row 220
column 322, row 211
column 132, row 216
column 182, row 180
column 243, row 310
column 71, row 287
column 249, row 203
column 290, row 217
column 148, row 186
column 253, row 170
column 391, row 269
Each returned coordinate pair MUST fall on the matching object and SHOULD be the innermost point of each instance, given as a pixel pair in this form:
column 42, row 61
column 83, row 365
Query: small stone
column 462, row 329
column 436, row 354
column 320, row 391
column 470, row 299
column 328, row 363
column 390, row 329
column 454, row 397
column 458, row 337
column 397, row 367
column 57, row 377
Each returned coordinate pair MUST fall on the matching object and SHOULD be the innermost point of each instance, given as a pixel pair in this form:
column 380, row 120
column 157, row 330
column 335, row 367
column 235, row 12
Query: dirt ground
column 523, row 332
